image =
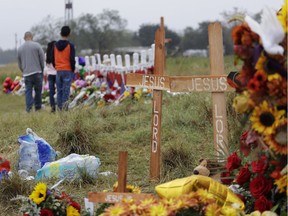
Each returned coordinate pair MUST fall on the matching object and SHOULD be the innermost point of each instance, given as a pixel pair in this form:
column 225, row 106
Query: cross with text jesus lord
column 216, row 84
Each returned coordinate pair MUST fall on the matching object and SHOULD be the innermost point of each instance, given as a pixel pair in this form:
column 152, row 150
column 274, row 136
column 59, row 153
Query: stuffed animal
column 202, row 169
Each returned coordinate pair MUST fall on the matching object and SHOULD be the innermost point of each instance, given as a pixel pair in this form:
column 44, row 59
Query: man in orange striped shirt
column 64, row 62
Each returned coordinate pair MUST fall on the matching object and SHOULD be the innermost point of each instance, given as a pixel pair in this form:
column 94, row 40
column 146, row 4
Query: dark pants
column 63, row 83
column 33, row 82
column 52, row 88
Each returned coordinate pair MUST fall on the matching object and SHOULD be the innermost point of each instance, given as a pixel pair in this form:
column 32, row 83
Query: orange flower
column 254, row 85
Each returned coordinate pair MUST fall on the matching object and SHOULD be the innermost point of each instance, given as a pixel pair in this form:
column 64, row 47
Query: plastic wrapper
column 34, row 152
column 69, row 167
column 223, row 195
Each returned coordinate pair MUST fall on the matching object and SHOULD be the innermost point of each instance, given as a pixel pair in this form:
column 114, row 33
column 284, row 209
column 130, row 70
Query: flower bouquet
column 261, row 87
column 48, row 202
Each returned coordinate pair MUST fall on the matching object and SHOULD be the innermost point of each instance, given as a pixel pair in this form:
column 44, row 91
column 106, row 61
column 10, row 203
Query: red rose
column 46, row 212
column 225, row 178
column 75, row 205
column 71, row 201
column 233, row 162
column 260, row 186
column 262, row 204
column 243, row 175
column 259, row 166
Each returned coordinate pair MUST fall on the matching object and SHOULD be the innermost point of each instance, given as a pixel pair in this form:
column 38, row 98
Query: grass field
column 187, row 134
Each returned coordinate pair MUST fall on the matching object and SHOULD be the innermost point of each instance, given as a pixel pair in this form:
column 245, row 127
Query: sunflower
column 133, row 189
column 71, row 211
column 129, row 188
column 265, row 119
column 39, row 193
column 282, row 184
column 278, row 142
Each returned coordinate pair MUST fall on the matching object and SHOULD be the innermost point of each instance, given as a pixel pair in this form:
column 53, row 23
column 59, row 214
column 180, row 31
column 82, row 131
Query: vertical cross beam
column 122, row 171
column 159, row 67
column 218, row 98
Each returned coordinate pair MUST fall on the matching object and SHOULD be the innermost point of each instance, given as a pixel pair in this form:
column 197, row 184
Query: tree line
column 106, row 31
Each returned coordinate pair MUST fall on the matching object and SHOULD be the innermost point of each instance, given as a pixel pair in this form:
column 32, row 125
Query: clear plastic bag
column 34, row 152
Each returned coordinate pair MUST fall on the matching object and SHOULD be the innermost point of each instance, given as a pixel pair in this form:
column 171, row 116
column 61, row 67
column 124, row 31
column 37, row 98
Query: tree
column 47, row 30
column 146, row 36
column 110, row 29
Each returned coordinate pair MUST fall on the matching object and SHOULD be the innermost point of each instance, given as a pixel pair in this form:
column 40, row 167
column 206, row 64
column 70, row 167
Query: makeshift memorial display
column 34, row 152
column 260, row 176
column 49, row 201
column 69, row 167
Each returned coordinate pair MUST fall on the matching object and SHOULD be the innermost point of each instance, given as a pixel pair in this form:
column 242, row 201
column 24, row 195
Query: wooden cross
column 216, row 84
column 113, row 197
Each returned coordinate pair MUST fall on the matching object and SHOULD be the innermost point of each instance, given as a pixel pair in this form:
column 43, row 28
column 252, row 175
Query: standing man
column 31, row 60
column 64, row 62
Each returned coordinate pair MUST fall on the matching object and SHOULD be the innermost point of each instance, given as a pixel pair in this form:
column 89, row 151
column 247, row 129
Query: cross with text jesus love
column 216, row 83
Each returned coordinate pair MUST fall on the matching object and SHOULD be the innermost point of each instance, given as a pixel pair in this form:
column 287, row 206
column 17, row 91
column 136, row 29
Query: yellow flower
column 277, row 142
column 282, row 184
column 129, row 188
column 115, row 210
column 240, row 102
column 265, row 119
column 133, row 189
column 158, row 210
column 228, row 211
column 212, row 210
column 147, row 202
column 260, row 65
column 126, row 94
column 138, row 94
column 39, row 193
column 71, row 211
column 255, row 213
column 282, row 16
column 204, row 195
column 274, row 76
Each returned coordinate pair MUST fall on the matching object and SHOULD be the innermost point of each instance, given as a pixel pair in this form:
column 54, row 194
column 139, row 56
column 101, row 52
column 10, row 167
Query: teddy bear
column 202, row 169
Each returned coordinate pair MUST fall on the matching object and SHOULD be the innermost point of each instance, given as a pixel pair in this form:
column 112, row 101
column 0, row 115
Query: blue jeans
column 52, row 83
column 33, row 82
column 63, row 83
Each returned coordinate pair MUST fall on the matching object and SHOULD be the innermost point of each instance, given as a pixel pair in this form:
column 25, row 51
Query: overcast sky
column 18, row 16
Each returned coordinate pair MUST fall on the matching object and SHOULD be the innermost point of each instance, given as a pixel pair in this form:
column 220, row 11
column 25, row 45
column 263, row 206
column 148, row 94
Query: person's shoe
column 53, row 110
